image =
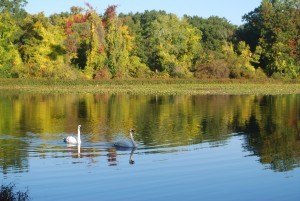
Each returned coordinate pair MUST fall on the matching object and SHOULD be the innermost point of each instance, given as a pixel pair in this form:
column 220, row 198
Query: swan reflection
column 131, row 161
column 112, row 155
column 78, row 149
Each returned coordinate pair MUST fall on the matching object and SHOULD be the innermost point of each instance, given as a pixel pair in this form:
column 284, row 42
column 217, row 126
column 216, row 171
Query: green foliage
column 242, row 65
column 14, row 7
column 96, row 58
column 119, row 44
column 229, row 63
column 175, row 45
column 138, row 69
column 139, row 26
column 42, row 49
column 275, row 25
column 224, row 55
column 214, row 31
column 259, row 74
column 84, row 44
column 9, row 55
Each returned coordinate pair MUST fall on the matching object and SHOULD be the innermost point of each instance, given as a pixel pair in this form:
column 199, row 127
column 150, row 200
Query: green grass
column 161, row 87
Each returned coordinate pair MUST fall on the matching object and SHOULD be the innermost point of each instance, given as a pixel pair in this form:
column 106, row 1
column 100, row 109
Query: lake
column 206, row 147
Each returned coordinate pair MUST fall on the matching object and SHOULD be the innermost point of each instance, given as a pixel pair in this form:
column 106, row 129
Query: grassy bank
column 175, row 86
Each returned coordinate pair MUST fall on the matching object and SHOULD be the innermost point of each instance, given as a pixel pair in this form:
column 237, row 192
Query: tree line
column 83, row 44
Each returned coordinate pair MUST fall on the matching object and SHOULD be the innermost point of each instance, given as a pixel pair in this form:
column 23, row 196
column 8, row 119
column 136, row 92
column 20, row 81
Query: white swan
column 127, row 144
column 73, row 140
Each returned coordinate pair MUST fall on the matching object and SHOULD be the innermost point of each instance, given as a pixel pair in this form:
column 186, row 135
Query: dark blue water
column 189, row 148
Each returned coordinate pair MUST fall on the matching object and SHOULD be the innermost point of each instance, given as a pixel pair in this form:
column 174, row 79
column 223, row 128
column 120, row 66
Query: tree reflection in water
column 270, row 123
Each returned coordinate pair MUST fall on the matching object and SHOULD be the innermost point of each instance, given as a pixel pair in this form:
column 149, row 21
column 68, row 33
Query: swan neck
column 132, row 140
column 78, row 136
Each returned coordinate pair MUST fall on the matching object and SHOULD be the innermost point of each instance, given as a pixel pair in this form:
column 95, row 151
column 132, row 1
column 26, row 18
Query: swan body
column 127, row 144
column 73, row 140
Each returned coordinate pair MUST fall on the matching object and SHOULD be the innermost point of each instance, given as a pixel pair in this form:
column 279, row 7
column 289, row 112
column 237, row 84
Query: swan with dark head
column 73, row 140
column 127, row 144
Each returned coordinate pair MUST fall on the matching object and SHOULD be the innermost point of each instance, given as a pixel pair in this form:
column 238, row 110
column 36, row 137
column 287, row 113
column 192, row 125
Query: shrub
column 138, row 69
column 260, row 74
column 102, row 74
column 5, row 72
column 160, row 75
column 7, row 194
column 216, row 69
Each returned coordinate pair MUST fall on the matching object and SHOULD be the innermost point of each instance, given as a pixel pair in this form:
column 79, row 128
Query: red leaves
column 101, row 49
column 293, row 46
column 78, row 18
column 89, row 6
column 111, row 11
column 68, row 27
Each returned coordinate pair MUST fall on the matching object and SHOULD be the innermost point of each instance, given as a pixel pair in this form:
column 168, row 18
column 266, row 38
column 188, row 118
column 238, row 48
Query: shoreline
column 152, row 87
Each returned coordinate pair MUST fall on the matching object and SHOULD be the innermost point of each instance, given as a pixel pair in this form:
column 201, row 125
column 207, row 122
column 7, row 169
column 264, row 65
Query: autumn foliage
column 83, row 44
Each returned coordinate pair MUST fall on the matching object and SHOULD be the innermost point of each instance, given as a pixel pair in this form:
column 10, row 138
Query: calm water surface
column 189, row 147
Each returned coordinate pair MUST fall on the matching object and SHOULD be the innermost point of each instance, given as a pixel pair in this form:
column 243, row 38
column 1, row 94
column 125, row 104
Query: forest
column 85, row 44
